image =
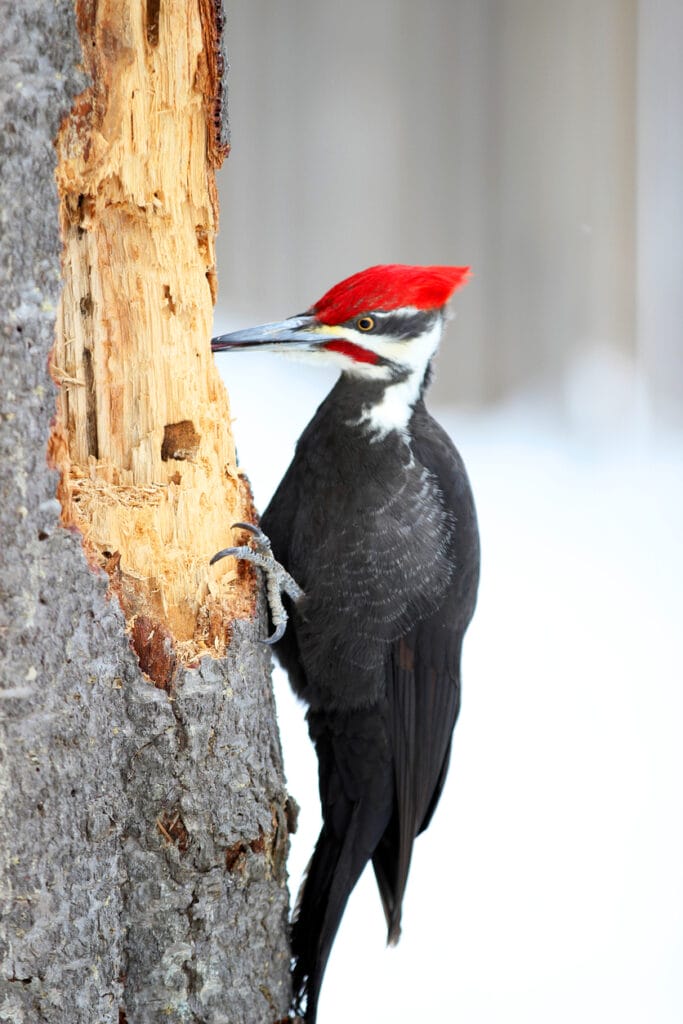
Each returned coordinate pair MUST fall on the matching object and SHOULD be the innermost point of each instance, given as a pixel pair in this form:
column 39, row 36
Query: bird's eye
column 365, row 323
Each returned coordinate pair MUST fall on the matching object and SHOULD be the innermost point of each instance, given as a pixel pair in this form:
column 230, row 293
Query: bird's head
column 383, row 323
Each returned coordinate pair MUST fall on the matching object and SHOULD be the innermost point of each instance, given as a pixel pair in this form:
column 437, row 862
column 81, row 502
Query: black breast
column 363, row 526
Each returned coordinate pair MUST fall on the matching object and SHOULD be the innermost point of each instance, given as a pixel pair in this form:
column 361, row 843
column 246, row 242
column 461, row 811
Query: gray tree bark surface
column 144, row 835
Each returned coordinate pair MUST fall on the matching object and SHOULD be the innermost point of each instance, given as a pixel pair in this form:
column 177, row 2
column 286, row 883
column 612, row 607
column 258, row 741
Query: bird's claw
column 278, row 580
column 279, row 631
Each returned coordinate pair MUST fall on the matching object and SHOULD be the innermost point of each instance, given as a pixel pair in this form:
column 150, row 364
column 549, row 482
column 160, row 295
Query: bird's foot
column 278, row 580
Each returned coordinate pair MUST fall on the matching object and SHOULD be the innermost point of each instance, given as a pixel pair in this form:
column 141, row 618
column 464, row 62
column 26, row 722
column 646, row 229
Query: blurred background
column 541, row 142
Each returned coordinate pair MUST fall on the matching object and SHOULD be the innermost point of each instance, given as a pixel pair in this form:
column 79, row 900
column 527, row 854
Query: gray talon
column 278, row 634
column 225, row 552
column 256, row 530
column 278, row 580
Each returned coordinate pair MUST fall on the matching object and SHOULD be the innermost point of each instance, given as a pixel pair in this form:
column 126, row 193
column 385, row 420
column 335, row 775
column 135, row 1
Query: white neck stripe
column 395, row 407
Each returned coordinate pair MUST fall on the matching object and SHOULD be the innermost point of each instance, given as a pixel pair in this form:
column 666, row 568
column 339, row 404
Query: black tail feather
column 309, row 915
column 334, row 869
column 391, row 888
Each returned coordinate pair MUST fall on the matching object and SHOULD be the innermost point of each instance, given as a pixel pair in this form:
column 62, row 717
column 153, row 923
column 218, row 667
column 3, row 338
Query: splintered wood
column 142, row 436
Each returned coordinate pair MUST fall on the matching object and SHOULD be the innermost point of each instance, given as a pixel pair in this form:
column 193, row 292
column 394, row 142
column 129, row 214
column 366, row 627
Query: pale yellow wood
column 143, row 430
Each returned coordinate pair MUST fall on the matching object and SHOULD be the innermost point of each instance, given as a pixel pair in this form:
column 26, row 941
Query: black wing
column 423, row 683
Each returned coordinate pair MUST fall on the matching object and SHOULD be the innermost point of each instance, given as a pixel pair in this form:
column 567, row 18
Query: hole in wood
column 181, row 441
column 169, row 300
column 90, row 403
column 156, row 653
column 152, row 22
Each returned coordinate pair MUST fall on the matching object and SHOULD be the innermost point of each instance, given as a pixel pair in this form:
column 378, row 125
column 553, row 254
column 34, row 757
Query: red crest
column 389, row 286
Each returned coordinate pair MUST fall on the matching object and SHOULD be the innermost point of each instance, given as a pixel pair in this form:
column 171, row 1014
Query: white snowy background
column 541, row 142
column 550, row 884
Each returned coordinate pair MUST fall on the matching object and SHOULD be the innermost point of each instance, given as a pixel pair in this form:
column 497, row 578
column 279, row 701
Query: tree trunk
column 143, row 809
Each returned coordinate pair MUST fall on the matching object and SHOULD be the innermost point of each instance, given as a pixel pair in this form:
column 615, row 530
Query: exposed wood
column 142, row 438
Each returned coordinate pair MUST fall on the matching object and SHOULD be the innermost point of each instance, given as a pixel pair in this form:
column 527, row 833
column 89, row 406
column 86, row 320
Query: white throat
column 394, row 409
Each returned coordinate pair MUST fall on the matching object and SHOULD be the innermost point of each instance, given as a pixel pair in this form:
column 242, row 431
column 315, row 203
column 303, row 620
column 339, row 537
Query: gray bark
column 103, row 917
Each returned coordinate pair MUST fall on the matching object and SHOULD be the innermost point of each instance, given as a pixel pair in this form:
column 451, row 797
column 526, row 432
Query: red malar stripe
column 355, row 352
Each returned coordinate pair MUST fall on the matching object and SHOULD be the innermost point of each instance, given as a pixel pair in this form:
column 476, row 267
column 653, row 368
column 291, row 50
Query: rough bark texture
column 143, row 830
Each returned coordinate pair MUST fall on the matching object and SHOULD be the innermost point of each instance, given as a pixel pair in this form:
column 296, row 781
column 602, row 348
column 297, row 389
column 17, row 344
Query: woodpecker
column 374, row 541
